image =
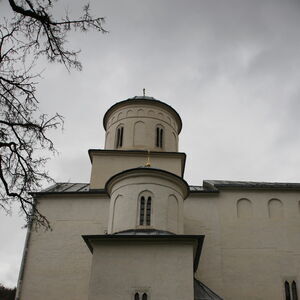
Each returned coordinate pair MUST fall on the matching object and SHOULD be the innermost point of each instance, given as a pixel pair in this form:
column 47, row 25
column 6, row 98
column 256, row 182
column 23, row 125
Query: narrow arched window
column 159, row 137
column 148, row 211
column 145, row 210
column 287, row 290
column 142, row 210
column 145, row 297
column 141, row 295
column 294, row 291
column 119, row 137
column 136, row 296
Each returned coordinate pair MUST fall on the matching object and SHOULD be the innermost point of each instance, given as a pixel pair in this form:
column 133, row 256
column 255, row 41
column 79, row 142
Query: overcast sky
column 229, row 67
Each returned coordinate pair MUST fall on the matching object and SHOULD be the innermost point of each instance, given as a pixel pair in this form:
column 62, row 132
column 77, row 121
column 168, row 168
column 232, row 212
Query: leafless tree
column 7, row 293
column 24, row 144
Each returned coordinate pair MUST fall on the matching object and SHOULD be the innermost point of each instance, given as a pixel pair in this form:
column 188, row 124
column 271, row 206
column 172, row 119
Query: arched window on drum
column 145, row 209
column 141, row 296
column 119, row 136
column 159, row 136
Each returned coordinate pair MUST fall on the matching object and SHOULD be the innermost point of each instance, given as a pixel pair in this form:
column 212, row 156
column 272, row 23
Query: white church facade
column 139, row 231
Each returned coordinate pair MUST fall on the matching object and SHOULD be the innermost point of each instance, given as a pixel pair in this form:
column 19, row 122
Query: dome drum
column 139, row 124
column 146, row 198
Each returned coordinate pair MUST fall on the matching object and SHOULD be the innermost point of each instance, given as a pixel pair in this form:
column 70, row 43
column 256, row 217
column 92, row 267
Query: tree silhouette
column 24, row 144
column 7, row 293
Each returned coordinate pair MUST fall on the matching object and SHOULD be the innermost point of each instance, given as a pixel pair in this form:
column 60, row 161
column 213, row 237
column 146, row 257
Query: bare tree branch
column 31, row 33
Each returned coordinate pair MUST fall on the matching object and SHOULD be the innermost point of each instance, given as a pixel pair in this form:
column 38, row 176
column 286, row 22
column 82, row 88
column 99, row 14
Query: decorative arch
column 116, row 203
column 120, row 116
column 173, row 209
column 129, row 113
column 145, row 207
column 275, row 209
column 139, row 133
column 141, row 113
column 244, row 208
column 161, row 115
column 151, row 113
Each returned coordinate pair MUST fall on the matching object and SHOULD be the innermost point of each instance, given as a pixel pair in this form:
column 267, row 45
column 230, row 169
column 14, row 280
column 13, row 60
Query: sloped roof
column 202, row 292
column 144, row 100
column 209, row 186
column 227, row 184
column 69, row 188
column 144, row 232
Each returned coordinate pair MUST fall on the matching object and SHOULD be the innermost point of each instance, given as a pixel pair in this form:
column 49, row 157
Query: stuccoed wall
column 166, row 214
column 119, row 269
column 58, row 262
column 105, row 166
column 251, row 244
column 140, row 123
column 248, row 250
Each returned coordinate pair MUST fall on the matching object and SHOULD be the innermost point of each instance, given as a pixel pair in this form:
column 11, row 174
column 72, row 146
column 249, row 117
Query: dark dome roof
column 144, row 100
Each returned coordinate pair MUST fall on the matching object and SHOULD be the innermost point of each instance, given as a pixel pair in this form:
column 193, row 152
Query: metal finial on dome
column 144, row 92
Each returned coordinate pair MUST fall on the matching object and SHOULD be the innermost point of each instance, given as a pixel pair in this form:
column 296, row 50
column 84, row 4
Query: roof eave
column 199, row 239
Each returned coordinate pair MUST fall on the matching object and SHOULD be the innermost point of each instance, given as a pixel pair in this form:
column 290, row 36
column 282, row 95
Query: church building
column 139, row 231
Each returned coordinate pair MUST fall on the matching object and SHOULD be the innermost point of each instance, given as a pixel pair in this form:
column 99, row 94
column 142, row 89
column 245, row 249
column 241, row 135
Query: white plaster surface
column 140, row 122
column 251, row 246
column 125, row 194
column 105, row 166
column 58, row 261
column 247, row 256
column 121, row 268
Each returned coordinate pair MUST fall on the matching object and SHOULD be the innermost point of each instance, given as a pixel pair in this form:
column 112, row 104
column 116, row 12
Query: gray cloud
column 230, row 68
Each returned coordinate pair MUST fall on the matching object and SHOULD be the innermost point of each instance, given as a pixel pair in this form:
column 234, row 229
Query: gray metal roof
column 67, row 187
column 202, row 292
column 146, row 99
column 220, row 184
column 142, row 98
column 209, row 186
column 144, row 232
column 196, row 188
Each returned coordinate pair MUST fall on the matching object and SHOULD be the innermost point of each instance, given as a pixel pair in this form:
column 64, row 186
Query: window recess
column 290, row 290
column 159, row 137
column 141, row 296
column 119, row 137
column 145, row 211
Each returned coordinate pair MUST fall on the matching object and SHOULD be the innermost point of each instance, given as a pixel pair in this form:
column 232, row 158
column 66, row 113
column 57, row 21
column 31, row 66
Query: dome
column 145, row 100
